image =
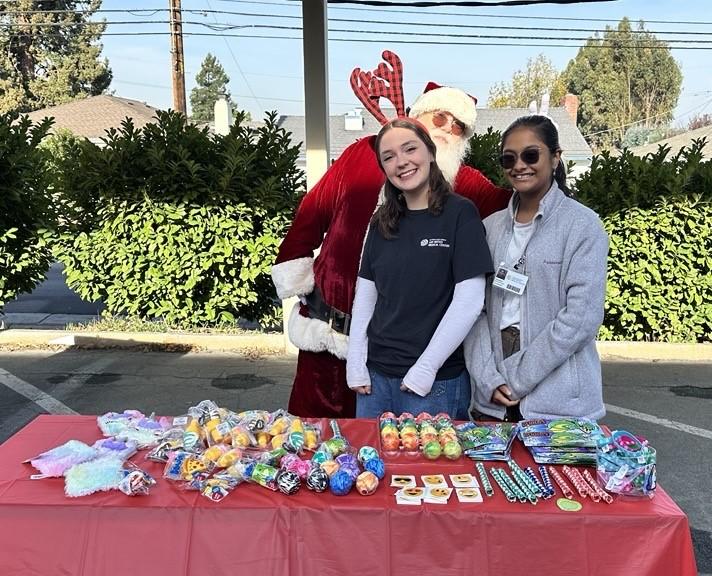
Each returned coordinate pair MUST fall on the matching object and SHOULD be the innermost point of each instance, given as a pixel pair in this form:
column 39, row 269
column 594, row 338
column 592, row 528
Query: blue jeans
column 450, row 395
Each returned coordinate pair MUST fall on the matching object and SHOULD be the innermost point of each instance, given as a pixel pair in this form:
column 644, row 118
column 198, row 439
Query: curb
column 275, row 344
column 655, row 351
column 246, row 343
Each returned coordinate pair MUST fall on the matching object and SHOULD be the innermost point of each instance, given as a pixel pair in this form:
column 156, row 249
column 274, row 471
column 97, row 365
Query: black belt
column 336, row 319
column 513, row 330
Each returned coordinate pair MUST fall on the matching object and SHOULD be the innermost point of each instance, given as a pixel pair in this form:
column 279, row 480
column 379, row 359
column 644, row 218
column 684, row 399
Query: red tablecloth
column 255, row 531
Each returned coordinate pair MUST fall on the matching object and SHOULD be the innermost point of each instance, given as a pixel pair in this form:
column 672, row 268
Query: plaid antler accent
column 384, row 81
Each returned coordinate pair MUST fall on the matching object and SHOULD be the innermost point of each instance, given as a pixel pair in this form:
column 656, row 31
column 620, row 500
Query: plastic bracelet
column 579, row 483
column 485, row 481
column 567, row 492
column 547, row 481
column 503, row 485
column 540, row 486
column 528, row 487
column 605, row 496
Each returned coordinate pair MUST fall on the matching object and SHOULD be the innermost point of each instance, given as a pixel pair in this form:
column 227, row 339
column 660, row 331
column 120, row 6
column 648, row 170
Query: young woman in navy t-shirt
column 420, row 286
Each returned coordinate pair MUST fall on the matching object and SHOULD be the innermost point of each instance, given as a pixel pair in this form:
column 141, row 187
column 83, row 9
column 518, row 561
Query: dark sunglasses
column 440, row 119
column 529, row 156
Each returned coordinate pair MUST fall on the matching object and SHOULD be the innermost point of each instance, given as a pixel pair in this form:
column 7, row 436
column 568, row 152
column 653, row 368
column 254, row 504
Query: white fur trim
column 315, row 335
column 452, row 100
column 293, row 277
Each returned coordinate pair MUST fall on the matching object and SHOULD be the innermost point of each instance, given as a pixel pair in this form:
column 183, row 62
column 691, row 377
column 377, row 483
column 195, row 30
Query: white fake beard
column 450, row 157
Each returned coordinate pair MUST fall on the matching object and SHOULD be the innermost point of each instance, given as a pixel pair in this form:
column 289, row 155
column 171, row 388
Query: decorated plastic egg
column 366, row 483
column 320, row 457
column 317, row 479
column 288, row 482
column 377, row 466
column 452, row 450
column 341, row 483
column 410, row 442
column 366, row 453
column 432, row 450
column 330, row 467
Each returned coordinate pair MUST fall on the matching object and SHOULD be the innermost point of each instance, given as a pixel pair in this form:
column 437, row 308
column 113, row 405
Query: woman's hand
column 503, row 395
column 405, row 388
column 362, row 389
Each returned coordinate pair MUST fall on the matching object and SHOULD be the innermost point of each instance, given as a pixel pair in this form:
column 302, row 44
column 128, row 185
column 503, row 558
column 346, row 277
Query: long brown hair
column 388, row 215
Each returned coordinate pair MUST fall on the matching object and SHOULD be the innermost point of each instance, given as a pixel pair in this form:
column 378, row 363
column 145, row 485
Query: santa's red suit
column 335, row 215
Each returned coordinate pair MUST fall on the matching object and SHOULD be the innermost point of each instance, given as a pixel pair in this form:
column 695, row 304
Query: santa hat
column 460, row 104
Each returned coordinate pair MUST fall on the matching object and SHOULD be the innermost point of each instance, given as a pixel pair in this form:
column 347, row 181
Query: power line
column 219, row 27
column 347, row 20
column 472, row 14
column 602, row 44
column 665, row 113
column 152, row 11
column 239, row 68
column 276, row 99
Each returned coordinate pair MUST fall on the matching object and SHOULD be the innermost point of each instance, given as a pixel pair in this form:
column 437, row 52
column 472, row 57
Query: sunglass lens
column 530, row 156
column 439, row 119
column 507, row 161
column 457, row 129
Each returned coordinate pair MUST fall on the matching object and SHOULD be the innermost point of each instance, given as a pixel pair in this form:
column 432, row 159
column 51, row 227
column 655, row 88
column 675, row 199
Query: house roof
column 572, row 141
column 339, row 137
column 679, row 141
column 91, row 117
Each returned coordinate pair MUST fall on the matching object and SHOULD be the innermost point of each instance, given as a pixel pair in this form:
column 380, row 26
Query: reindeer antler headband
column 384, row 82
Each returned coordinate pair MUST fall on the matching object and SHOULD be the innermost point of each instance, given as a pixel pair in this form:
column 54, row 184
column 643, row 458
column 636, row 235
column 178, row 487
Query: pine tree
column 212, row 84
column 50, row 53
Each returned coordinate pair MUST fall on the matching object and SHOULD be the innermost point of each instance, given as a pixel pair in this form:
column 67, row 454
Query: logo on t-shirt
column 435, row 242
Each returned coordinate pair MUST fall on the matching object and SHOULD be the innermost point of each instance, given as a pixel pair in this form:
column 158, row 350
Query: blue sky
column 267, row 74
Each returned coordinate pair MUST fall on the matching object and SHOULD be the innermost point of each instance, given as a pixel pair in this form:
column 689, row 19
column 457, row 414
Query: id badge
column 510, row 280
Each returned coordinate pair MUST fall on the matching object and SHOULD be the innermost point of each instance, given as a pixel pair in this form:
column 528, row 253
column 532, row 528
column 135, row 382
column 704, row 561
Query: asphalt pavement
column 51, row 305
column 670, row 403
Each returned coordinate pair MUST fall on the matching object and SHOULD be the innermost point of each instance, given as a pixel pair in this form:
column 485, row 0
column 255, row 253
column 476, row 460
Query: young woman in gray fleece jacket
column 532, row 352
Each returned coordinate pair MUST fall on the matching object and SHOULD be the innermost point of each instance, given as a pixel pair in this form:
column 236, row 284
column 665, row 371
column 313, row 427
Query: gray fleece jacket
column 557, row 371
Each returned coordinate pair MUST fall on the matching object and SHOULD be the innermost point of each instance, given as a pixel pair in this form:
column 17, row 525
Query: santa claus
column 334, row 216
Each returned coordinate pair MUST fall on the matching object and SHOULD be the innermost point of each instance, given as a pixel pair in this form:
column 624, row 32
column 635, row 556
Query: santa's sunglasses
column 529, row 156
column 440, row 119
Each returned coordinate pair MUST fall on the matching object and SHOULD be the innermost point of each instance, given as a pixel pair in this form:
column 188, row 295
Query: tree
column 539, row 77
column 625, row 77
column 50, row 53
column 26, row 211
column 212, row 84
column 641, row 135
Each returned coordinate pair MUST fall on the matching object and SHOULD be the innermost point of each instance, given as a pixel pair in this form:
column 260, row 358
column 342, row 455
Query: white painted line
column 679, row 426
column 49, row 403
column 77, row 378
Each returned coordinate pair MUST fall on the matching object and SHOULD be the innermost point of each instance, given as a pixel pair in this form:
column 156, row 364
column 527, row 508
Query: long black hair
column 390, row 212
column 545, row 130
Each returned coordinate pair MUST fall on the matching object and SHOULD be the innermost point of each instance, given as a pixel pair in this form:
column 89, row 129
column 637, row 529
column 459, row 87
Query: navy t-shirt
column 415, row 274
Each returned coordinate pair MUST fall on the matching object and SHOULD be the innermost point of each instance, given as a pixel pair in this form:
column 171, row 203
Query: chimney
column 571, row 105
column 353, row 121
column 223, row 116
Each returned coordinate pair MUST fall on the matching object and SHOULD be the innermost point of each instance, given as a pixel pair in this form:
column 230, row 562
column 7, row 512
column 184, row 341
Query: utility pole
column 177, row 60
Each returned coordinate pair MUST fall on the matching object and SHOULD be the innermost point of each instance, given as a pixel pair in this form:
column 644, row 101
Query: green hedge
column 26, row 214
column 615, row 183
column 186, row 224
column 657, row 211
column 483, row 154
column 660, row 273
